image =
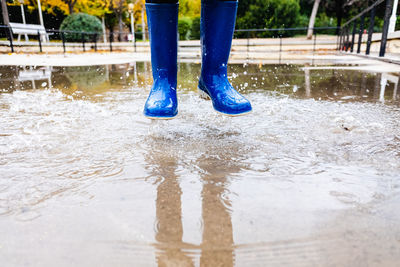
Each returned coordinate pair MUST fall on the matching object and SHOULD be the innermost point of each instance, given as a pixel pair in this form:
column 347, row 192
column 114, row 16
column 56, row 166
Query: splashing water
column 311, row 174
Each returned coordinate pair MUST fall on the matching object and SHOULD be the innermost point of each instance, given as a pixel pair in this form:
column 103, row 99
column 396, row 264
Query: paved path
column 86, row 59
column 329, row 61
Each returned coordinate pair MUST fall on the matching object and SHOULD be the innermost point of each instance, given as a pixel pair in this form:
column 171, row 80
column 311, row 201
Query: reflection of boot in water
column 169, row 225
column 169, row 229
column 217, row 245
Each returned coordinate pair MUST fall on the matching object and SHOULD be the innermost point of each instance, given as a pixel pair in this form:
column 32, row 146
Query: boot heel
column 203, row 94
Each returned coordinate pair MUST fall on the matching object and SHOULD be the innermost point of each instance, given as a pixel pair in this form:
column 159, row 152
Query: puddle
column 311, row 177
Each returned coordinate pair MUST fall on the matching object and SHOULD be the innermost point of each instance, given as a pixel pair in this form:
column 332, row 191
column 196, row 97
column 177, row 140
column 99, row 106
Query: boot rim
column 162, row 6
column 232, row 3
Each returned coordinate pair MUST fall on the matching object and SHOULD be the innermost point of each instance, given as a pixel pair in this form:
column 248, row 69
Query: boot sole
column 205, row 96
column 235, row 115
column 160, row 118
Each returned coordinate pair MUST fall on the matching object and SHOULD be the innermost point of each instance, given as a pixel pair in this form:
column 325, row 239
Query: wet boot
column 162, row 20
column 217, row 26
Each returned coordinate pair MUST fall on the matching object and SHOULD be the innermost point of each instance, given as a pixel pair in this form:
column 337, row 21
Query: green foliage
column 184, row 26
column 303, row 21
column 378, row 24
column 80, row 22
column 321, row 21
column 139, row 32
column 85, row 77
column 195, row 30
column 398, row 23
column 306, row 7
column 324, row 21
column 189, row 8
column 259, row 14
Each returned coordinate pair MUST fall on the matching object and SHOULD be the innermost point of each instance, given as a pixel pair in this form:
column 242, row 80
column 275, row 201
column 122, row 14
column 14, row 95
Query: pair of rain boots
column 217, row 26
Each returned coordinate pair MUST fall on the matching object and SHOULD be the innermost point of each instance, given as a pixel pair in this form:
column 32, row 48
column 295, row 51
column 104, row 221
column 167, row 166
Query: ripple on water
column 283, row 136
column 296, row 156
column 26, row 214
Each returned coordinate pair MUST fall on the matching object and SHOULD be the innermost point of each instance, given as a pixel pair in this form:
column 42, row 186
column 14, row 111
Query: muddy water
column 310, row 178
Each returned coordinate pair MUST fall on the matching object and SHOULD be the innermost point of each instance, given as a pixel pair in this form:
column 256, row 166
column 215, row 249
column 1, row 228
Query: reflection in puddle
column 296, row 81
column 217, row 234
column 311, row 177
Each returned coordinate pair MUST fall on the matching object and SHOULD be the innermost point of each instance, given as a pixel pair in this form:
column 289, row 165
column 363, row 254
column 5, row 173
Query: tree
column 118, row 7
column 339, row 14
column 333, row 8
column 80, row 22
column 137, row 9
column 70, row 4
column 92, row 7
column 96, row 8
column 48, row 6
column 67, row 6
column 311, row 24
column 139, row 14
column 189, row 8
column 4, row 11
column 256, row 14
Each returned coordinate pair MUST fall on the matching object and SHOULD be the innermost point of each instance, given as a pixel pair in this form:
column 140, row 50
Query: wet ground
column 310, row 178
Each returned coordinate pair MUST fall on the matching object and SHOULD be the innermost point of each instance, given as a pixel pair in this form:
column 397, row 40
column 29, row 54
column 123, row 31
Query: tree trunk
column 120, row 27
column 70, row 8
column 339, row 15
column 103, row 25
column 143, row 26
column 310, row 31
column 4, row 10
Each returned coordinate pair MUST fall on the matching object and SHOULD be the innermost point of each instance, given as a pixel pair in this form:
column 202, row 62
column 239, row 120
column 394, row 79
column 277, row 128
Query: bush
column 195, row 30
column 139, row 33
column 80, row 22
column 184, row 26
column 398, row 23
column 324, row 21
column 259, row 14
column 302, row 21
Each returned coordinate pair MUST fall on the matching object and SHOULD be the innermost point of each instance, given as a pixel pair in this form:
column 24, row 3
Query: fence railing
column 283, row 32
column 93, row 39
column 349, row 39
column 72, row 37
column 358, row 25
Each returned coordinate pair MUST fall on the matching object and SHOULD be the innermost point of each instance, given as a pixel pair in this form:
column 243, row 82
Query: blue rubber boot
column 162, row 20
column 217, row 26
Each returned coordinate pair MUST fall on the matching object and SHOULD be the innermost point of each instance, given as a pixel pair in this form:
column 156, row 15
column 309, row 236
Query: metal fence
column 358, row 25
column 87, row 40
column 349, row 39
column 280, row 33
column 92, row 40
